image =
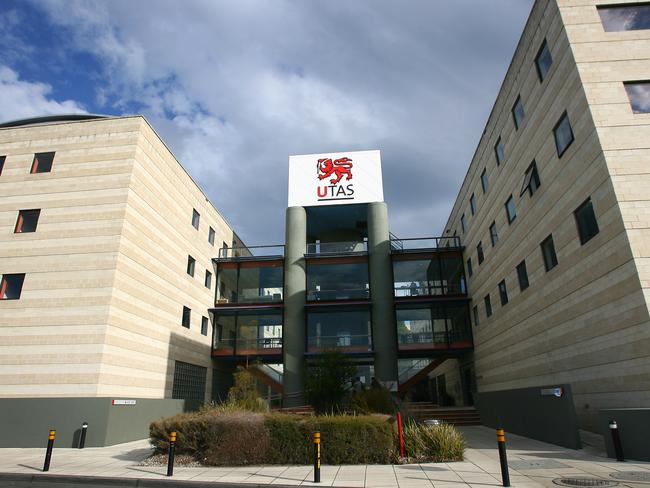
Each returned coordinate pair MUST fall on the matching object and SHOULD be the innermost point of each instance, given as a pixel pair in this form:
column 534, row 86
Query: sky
column 235, row 87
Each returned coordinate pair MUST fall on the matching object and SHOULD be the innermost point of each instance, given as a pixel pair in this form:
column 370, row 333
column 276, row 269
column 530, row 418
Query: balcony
column 247, row 333
column 241, row 283
column 343, row 330
column 423, row 244
column 444, row 326
column 429, row 274
column 338, row 279
column 251, row 253
column 346, row 248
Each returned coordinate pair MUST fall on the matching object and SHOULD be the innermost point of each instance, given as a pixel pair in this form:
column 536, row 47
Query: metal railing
column 251, row 252
column 336, row 248
column 396, row 243
column 423, row 288
column 444, row 338
column 347, row 341
column 415, row 366
column 244, row 347
column 341, row 294
column 421, row 243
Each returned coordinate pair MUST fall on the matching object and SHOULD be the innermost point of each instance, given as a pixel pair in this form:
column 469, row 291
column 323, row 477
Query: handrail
column 405, row 244
column 250, row 252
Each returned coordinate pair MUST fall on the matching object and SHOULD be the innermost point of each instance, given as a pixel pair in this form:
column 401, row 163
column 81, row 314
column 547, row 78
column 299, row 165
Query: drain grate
column 579, row 481
column 632, row 476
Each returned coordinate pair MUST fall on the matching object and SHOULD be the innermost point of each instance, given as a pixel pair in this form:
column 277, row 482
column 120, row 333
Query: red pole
column 401, row 434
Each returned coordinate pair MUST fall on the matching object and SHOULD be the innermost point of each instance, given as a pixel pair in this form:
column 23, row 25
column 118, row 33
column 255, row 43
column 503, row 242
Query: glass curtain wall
column 433, row 327
column 258, row 282
column 248, row 333
column 336, row 280
column 348, row 331
column 441, row 274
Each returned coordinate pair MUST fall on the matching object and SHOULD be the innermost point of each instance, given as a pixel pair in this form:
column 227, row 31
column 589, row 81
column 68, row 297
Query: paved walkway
column 533, row 464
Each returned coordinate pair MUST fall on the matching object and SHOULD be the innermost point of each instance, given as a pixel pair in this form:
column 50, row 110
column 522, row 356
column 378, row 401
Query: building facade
column 106, row 247
column 553, row 211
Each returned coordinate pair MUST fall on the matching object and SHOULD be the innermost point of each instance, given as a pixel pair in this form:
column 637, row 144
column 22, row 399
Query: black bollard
column 503, row 458
column 316, row 457
column 616, row 440
column 170, row 459
column 84, row 429
column 48, row 452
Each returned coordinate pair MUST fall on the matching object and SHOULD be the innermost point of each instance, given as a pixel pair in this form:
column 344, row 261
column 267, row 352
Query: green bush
column 221, row 437
column 243, row 394
column 373, row 400
column 327, row 381
column 437, row 443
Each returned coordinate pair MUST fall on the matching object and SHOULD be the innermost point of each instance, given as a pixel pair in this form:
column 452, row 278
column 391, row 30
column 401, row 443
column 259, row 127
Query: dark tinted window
column 42, row 162
column 488, row 305
column 625, row 17
column 563, row 134
column 586, row 221
column 511, row 211
column 2, row 163
column 211, row 236
column 27, row 221
column 187, row 315
column 196, row 218
column 639, row 94
column 494, row 236
column 484, row 181
column 475, row 314
column 190, row 265
column 518, row 112
column 472, row 204
column 479, row 251
column 11, row 286
column 463, row 223
column 337, row 281
column 548, row 253
column 531, row 180
column 522, row 275
column 208, row 279
column 503, row 292
column 499, row 151
column 204, row 326
column 470, row 271
column 543, row 61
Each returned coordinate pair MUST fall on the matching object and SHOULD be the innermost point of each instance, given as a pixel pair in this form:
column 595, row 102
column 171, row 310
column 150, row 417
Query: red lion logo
column 337, row 169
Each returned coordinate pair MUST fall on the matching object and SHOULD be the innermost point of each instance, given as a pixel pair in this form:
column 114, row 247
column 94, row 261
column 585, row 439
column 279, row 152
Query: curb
column 68, row 480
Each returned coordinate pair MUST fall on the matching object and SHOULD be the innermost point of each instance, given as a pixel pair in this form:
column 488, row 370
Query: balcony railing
column 336, row 248
column 434, row 340
column 249, row 347
column 344, row 343
column 420, row 288
column 251, row 252
column 339, row 294
column 424, row 243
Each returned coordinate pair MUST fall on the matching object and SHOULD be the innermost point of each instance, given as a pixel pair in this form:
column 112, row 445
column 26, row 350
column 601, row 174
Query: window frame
column 207, row 282
column 211, row 235
column 631, row 83
column 475, row 316
column 187, row 313
column 20, row 220
column 514, row 116
column 480, row 253
column 541, row 76
column 3, row 159
column 564, row 115
column 472, row 204
column 463, row 223
column 554, row 261
column 487, row 301
column 485, row 184
column 514, row 216
column 494, row 234
column 496, row 151
column 503, row 292
column 585, row 239
column 36, row 163
column 523, row 283
column 191, row 265
column 204, row 325
column 470, row 270
column 619, row 6
column 531, row 175
column 196, row 219
column 4, row 284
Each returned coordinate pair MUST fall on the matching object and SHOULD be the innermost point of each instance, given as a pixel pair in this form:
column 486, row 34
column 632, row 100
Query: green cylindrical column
column 293, row 345
column 384, row 331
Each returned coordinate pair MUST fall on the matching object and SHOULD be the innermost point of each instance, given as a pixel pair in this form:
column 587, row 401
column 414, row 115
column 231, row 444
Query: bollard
column 82, row 440
column 170, row 459
column 48, row 452
column 400, row 433
column 503, row 458
column 616, row 439
column 316, row 457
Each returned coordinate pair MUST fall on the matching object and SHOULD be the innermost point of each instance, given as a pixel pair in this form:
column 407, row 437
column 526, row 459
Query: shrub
column 290, row 443
column 375, row 400
column 435, row 443
column 243, row 394
column 327, row 379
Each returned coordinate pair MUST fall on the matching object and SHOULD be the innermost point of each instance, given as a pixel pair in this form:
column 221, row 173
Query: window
column 479, row 251
column 204, row 326
column 187, row 315
column 332, row 280
column 463, row 223
column 196, row 218
column 470, row 271
column 189, row 381
column 488, row 305
column 208, row 279
column 472, row 204
column 11, row 286
column 548, row 253
column 511, row 211
column 531, row 180
column 503, row 292
column 475, row 314
column 2, row 163
column 211, row 236
column 499, row 151
column 563, row 134
column 27, row 221
column 586, row 221
column 346, row 329
column 543, row 61
column 625, row 17
column 494, row 236
column 518, row 112
column 190, row 265
column 42, row 162
column 639, row 94
column 244, row 282
column 522, row 275
column 484, row 181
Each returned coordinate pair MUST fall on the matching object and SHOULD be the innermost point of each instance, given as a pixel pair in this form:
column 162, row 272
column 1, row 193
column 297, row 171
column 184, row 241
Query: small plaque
column 556, row 392
column 123, row 402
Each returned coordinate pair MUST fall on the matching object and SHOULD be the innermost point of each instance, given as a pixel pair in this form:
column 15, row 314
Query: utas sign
column 335, row 178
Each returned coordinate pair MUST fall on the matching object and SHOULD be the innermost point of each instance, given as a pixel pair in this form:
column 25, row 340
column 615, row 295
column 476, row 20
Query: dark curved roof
column 52, row 118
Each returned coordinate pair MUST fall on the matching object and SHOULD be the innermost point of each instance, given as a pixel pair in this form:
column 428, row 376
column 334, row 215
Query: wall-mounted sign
column 335, row 178
column 123, row 402
column 556, row 392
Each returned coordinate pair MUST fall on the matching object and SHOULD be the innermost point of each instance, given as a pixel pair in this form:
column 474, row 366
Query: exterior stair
column 450, row 415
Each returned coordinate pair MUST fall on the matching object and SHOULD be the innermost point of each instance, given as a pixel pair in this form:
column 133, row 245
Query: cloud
column 22, row 99
column 237, row 87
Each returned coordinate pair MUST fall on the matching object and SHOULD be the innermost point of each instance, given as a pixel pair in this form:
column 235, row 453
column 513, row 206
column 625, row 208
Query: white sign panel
column 124, row 402
column 335, row 178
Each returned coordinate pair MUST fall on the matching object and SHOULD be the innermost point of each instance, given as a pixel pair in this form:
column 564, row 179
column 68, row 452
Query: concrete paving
column 533, row 464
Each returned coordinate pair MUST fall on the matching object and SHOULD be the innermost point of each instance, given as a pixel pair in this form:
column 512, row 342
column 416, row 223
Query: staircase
column 458, row 416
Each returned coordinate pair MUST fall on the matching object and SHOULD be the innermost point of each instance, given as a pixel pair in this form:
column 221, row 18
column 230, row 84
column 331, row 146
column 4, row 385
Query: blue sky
column 235, row 87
